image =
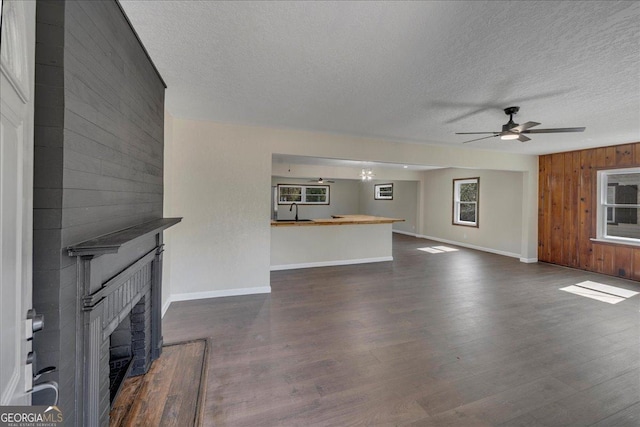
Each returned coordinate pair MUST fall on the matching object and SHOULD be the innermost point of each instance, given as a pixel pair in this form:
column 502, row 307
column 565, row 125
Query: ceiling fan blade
column 321, row 181
column 524, row 126
column 555, row 130
column 504, row 87
column 523, row 138
column 476, row 133
column 478, row 139
column 475, row 108
column 469, row 114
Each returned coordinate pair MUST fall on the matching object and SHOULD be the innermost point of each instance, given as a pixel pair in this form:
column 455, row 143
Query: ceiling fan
column 321, row 181
column 512, row 130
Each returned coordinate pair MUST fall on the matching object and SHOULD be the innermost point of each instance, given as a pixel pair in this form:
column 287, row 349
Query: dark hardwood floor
column 170, row 394
column 453, row 339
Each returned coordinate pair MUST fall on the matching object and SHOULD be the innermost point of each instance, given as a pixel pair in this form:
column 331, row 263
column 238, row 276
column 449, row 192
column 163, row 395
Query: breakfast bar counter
column 340, row 240
column 338, row 220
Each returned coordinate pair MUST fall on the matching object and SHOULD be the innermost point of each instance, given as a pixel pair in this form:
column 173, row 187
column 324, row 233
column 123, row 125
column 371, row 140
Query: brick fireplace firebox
column 120, row 276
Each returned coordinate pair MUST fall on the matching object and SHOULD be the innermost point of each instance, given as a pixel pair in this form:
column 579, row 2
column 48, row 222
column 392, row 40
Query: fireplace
column 129, row 347
column 120, row 335
column 120, row 356
column 98, row 168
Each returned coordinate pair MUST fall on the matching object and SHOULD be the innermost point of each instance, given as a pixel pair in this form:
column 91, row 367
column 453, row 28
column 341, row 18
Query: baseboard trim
column 470, row 246
column 405, row 233
column 215, row 294
column 165, row 306
column 329, row 263
column 529, row 260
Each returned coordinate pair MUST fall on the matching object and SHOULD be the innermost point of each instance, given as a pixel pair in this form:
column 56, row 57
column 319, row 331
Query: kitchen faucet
column 296, row 205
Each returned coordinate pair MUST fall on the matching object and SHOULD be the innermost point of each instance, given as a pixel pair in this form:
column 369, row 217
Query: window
column 618, row 205
column 289, row 194
column 316, row 195
column 383, row 192
column 303, row 194
column 466, row 195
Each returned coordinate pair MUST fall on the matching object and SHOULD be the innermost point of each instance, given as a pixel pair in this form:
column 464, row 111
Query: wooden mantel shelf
column 111, row 243
column 339, row 220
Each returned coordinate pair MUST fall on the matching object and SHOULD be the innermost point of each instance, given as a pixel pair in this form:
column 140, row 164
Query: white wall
column 168, row 208
column 404, row 204
column 500, row 210
column 218, row 178
column 321, row 245
column 220, row 182
column 341, row 172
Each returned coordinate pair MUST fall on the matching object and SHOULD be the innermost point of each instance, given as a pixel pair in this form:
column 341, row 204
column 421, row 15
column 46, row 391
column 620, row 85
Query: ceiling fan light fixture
column 509, row 136
column 321, row 181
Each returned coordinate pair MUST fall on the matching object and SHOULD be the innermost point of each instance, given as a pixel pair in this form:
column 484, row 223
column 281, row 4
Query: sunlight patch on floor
column 438, row 249
column 445, row 248
column 607, row 289
column 600, row 292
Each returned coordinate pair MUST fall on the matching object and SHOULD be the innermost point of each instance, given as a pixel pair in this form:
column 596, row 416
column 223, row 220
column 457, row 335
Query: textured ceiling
column 405, row 71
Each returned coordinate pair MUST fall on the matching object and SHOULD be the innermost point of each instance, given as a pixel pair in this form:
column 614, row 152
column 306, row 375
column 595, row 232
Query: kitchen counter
column 338, row 220
column 340, row 240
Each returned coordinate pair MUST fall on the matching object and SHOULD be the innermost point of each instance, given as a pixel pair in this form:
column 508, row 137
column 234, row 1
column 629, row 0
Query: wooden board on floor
column 169, row 394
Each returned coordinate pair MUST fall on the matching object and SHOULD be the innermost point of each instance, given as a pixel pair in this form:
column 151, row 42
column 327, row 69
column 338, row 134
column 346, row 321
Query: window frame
column 613, row 210
column 602, row 219
column 303, row 194
column 456, row 202
column 379, row 188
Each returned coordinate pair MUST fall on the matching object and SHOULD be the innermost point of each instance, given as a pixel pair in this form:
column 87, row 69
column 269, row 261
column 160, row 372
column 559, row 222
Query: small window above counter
column 303, row 194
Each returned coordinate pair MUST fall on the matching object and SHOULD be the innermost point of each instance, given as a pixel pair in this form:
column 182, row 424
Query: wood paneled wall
column 98, row 159
column 567, row 211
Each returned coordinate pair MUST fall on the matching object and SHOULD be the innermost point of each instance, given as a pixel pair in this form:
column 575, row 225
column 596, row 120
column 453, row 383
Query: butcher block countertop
column 338, row 220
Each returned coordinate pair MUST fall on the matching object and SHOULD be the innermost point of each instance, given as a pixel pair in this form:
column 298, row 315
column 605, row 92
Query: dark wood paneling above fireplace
column 567, row 211
column 99, row 135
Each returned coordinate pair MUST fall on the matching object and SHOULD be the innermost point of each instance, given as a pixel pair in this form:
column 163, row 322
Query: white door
column 17, row 48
